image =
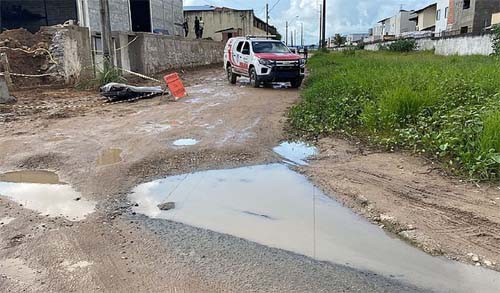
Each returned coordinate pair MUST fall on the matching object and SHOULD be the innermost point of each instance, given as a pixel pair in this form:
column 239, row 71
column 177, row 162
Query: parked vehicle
column 262, row 60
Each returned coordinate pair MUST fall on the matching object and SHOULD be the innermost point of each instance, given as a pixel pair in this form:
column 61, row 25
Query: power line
column 277, row 2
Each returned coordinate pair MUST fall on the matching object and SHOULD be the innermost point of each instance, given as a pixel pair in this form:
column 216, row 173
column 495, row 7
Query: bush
column 104, row 75
column 402, row 46
column 496, row 39
column 447, row 108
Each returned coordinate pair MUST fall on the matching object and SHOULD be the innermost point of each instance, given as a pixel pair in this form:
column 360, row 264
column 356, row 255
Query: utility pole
column 267, row 19
column 291, row 38
column 106, row 38
column 302, row 34
column 323, row 31
column 320, row 25
column 286, row 33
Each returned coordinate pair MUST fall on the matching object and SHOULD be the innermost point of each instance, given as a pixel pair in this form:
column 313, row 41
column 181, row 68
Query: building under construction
column 156, row 16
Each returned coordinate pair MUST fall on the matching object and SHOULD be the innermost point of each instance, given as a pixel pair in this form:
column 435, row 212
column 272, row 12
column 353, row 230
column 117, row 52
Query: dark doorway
column 141, row 15
column 32, row 14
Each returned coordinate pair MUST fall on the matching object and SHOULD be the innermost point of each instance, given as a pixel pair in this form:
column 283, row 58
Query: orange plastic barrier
column 175, row 85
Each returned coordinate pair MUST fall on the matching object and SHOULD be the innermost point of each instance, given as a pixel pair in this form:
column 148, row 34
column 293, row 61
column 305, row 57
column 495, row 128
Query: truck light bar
column 262, row 37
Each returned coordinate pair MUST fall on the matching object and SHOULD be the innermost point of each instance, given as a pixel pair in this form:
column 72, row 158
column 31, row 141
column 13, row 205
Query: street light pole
column 320, row 25
column 286, row 33
column 267, row 19
column 302, row 34
column 323, row 31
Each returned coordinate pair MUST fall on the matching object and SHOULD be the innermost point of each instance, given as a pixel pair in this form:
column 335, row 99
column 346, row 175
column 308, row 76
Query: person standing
column 306, row 52
column 197, row 27
column 202, row 24
column 185, row 26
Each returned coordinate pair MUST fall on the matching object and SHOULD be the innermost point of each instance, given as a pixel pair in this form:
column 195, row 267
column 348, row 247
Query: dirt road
column 104, row 151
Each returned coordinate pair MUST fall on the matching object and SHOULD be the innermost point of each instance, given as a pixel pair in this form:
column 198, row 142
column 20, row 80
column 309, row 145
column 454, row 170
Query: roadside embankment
column 412, row 120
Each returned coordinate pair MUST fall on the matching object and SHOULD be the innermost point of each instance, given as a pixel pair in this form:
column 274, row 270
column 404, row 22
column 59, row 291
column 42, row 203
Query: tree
column 338, row 40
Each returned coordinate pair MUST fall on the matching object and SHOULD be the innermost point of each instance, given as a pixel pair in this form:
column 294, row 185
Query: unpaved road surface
column 114, row 249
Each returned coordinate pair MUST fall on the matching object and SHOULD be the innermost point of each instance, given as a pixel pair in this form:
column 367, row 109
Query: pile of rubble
column 28, row 54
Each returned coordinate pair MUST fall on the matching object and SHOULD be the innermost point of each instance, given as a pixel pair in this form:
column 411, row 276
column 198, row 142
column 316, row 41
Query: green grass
column 444, row 107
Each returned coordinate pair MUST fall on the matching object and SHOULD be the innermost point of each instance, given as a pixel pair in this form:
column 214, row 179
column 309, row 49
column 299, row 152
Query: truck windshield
column 269, row 47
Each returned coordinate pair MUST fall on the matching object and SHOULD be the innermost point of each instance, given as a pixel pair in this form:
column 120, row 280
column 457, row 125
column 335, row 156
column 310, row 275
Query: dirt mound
column 20, row 46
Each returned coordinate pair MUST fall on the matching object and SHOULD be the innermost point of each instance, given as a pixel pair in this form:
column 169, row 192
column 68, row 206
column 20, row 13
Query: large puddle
column 274, row 206
column 42, row 191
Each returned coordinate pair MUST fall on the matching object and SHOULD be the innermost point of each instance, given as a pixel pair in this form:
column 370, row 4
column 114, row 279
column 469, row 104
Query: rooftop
column 199, row 8
column 425, row 8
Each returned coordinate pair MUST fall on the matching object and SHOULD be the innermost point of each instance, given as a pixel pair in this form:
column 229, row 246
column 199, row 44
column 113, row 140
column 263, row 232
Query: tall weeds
column 444, row 107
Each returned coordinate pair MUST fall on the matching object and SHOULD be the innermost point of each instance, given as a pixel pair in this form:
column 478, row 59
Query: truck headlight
column 265, row 62
column 302, row 62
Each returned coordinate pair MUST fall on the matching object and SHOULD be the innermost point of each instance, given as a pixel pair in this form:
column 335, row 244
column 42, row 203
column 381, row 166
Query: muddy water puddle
column 295, row 152
column 42, row 191
column 109, row 157
column 185, row 142
column 36, row 176
column 274, row 206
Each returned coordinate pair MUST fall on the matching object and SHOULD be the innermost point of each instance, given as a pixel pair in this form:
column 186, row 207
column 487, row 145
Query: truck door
column 245, row 57
column 236, row 56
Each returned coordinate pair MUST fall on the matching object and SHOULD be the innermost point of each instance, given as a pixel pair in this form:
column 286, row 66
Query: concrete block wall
column 167, row 16
column 151, row 53
column 461, row 45
column 119, row 15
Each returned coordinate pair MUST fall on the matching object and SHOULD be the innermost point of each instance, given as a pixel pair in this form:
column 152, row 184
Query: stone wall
column 458, row 45
column 72, row 50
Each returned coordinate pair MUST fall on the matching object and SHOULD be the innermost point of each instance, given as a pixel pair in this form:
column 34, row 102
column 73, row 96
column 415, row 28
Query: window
column 240, row 45
column 466, row 4
column 438, row 14
column 246, row 49
column 464, row 29
column 446, row 12
column 269, row 47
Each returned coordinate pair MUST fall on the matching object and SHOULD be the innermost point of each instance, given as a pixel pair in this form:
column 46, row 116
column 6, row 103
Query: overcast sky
column 343, row 16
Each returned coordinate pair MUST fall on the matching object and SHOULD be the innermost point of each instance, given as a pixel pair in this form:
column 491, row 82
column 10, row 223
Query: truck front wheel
column 254, row 81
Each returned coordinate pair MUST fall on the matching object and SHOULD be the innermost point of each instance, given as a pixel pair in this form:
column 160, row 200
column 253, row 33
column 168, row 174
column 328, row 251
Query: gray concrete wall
column 151, row 53
column 167, row 15
column 462, row 45
column 469, row 45
column 71, row 49
column 119, row 15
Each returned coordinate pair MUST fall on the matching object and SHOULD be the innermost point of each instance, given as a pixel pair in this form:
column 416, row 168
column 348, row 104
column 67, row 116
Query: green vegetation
column 447, row 108
column 404, row 46
column 496, row 39
column 103, row 76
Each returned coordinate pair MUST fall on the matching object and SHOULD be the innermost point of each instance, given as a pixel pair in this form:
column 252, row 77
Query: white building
column 442, row 12
column 403, row 24
column 354, row 39
column 394, row 26
column 154, row 16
